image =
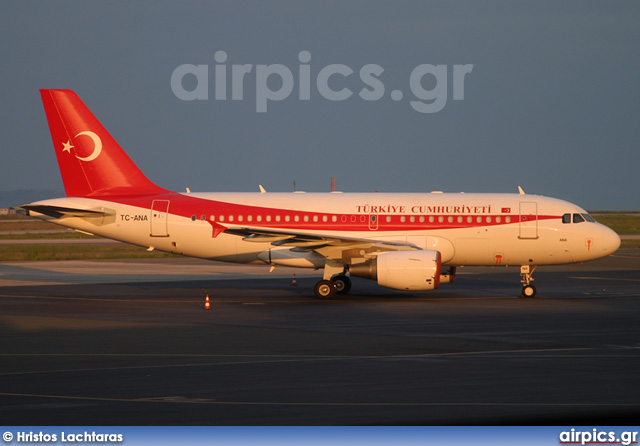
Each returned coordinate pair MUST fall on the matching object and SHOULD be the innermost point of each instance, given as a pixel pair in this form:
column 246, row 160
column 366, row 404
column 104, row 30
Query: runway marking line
column 271, row 356
column 251, row 359
column 605, row 278
column 184, row 400
column 263, row 359
column 141, row 299
column 542, row 352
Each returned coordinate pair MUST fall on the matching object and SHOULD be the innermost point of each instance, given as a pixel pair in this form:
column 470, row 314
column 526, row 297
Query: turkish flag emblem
column 506, row 210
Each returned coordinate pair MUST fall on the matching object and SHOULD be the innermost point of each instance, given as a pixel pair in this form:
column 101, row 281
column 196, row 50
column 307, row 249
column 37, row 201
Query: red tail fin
column 91, row 161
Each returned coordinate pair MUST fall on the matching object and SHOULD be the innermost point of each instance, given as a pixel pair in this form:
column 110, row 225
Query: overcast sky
column 550, row 100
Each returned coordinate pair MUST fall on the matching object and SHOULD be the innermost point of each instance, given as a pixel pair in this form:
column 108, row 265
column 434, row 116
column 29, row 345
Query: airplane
column 411, row 241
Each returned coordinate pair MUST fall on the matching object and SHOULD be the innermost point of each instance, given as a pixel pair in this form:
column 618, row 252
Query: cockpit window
column 589, row 218
column 577, row 218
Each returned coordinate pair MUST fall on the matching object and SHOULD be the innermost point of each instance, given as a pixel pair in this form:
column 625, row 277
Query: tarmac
column 129, row 343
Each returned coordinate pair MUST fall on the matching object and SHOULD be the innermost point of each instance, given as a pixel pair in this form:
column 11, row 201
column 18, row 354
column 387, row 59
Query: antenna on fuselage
column 520, row 191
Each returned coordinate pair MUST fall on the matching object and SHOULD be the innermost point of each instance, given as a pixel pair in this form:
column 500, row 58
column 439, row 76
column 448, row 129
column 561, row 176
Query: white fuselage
column 467, row 229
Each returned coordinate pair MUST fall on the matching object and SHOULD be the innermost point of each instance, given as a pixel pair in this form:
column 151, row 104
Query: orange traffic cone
column 294, row 282
column 207, row 304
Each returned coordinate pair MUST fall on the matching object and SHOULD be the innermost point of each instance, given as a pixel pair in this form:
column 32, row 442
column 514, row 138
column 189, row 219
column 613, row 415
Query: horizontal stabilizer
column 62, row 212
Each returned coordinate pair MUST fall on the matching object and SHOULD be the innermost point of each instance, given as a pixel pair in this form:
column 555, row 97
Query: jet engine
column 402, row 270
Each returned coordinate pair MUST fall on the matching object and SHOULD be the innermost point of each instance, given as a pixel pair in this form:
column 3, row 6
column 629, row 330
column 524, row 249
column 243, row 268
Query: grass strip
column 16, row 253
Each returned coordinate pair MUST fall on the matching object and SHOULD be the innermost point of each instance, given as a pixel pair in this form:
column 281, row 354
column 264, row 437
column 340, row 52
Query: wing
column 338, row 249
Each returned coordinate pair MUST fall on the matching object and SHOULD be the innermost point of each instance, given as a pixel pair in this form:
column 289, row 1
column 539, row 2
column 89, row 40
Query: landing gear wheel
column 325, row 289
column 529, row 291
column 342, row 283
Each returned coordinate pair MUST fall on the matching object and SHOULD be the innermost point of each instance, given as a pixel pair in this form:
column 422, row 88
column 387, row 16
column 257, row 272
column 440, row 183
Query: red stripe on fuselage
column 219, row 214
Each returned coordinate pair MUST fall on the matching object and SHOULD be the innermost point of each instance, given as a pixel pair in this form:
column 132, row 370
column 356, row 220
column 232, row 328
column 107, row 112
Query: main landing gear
column 528, row 290
column 327, row 289
column 334, row 281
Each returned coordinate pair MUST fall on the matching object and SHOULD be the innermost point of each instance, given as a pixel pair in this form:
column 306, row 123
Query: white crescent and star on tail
column 97, row 146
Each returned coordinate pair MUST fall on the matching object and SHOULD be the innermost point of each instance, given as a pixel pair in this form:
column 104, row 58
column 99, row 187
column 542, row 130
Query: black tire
column 342, row 283
column 529, row 291
column 325, row 289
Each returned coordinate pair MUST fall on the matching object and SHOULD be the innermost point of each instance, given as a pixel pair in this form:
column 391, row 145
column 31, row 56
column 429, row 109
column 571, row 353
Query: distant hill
column 13, row 198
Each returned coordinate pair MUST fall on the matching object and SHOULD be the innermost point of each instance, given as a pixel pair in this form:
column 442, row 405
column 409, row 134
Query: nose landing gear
column 528, row 290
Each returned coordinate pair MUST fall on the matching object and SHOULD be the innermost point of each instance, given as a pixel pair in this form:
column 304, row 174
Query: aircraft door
column 528, row 220
column 160, row 218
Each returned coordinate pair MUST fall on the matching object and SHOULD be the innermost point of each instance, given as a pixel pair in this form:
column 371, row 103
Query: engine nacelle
column 403, row 270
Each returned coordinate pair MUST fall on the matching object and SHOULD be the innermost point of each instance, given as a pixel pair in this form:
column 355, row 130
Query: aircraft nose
column 609, row 240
